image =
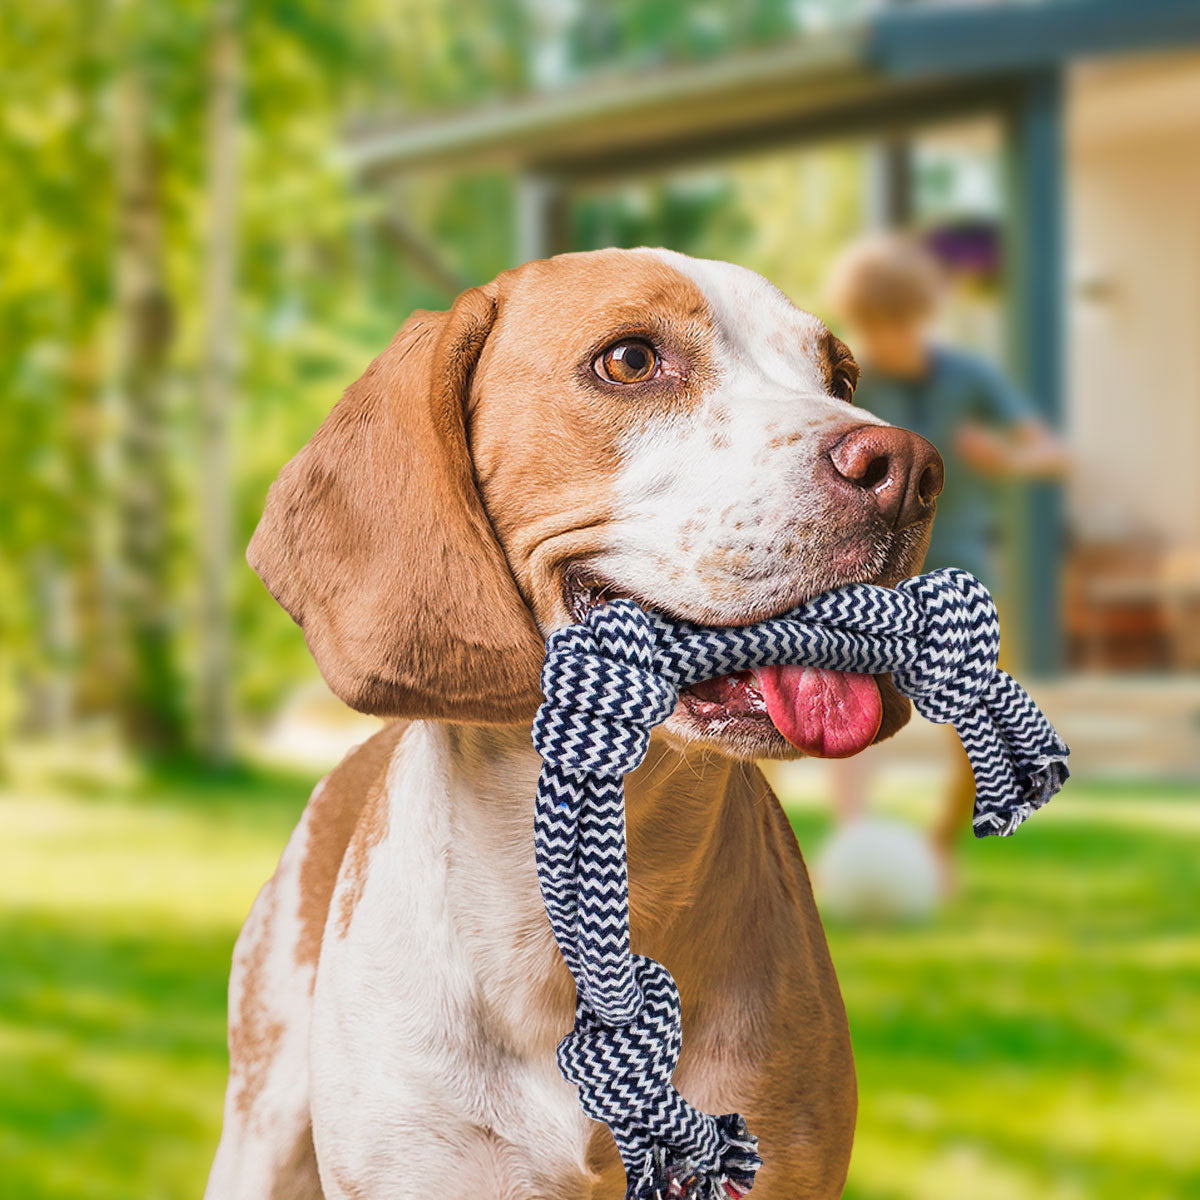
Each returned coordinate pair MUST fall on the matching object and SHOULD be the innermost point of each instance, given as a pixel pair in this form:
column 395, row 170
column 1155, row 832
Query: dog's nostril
column 930, row 483
column 876, row 472
column 901, row 472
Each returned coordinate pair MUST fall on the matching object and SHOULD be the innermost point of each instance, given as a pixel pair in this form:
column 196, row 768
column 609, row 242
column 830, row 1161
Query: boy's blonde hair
column 885, row 277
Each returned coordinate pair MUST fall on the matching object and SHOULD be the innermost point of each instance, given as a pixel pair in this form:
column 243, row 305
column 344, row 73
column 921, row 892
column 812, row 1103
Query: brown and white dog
column 619, row 422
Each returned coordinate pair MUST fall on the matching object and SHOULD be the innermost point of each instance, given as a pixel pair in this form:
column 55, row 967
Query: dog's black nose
column 902, row 472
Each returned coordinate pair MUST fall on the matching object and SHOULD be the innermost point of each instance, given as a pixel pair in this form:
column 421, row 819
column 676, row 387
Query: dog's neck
column 698, row 831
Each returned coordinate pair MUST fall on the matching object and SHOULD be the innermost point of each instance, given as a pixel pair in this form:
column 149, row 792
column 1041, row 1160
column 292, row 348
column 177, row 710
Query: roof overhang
column 906, row 65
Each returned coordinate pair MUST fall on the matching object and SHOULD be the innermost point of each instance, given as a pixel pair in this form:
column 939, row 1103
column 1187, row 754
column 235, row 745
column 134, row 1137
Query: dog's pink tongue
column 829, row 714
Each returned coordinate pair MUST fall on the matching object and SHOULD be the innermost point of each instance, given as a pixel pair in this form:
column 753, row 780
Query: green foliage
column 319, row 291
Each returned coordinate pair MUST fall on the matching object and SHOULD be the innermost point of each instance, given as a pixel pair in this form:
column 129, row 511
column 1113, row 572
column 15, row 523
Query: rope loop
column 602, row 694
column 955, row 664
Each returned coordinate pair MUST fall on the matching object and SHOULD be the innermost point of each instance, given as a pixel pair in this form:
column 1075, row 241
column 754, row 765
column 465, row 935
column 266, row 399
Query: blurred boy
column 888, row 289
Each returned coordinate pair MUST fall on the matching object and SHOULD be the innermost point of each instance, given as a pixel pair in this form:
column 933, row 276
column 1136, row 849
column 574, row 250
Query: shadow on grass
column 113, row 1056
column 157, row 991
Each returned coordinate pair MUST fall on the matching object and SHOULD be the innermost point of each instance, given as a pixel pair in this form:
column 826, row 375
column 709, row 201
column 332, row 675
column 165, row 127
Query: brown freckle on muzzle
column 785, row 439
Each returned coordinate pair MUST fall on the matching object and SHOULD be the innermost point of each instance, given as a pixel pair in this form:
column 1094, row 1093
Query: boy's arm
column 1007, row 439
column 1027, row 450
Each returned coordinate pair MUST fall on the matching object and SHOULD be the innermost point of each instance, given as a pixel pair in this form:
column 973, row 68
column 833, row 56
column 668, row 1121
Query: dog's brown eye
column 841, row 371
column 628, row 361
column 842, row 385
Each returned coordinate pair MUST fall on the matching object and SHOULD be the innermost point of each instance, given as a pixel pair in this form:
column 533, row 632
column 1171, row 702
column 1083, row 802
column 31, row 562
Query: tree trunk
column 49, row 693
column 87, row 536
column 216, row 515
column 150, row 698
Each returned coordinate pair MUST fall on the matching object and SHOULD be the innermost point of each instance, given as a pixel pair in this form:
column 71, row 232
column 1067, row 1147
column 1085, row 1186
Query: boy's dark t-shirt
column 957, row 390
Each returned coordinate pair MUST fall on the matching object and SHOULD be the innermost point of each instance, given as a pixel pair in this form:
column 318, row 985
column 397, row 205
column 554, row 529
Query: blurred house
column 1090, row 112
column 1133, row 401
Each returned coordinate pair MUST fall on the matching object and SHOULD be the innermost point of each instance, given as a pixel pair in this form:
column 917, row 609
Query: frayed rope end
column 1041, row 780
column 668, row 1177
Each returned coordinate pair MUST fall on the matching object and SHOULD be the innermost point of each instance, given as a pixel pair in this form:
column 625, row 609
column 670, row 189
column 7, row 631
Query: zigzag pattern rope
column 606, row 683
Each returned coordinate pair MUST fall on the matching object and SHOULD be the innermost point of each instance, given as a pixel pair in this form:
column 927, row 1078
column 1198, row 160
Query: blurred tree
column 216, row 532
column 150, row 696
column 55, row 273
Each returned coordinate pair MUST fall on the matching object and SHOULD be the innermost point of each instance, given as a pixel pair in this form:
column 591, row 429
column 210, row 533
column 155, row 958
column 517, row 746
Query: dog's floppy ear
column 376, row 542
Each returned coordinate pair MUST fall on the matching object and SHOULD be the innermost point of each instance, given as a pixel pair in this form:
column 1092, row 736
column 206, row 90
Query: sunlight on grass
column 1037, row 1041
column 119, row 916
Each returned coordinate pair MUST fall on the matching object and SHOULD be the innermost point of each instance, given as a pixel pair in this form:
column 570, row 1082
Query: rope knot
column 955, row 664
column 621, row 1071
column 601, row 692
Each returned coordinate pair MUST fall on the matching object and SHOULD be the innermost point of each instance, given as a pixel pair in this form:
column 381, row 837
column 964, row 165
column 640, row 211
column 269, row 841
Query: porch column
column 1034, row 263
column 542, row 209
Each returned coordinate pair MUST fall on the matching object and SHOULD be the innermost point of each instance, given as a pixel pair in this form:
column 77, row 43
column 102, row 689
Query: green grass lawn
column 1040, row 1040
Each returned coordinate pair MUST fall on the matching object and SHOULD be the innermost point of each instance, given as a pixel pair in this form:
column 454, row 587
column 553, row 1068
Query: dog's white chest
column 432, row 1039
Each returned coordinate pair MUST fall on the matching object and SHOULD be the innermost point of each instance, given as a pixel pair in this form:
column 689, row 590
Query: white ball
column 877, row 869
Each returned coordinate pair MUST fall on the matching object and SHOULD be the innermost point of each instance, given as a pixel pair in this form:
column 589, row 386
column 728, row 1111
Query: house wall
column 1134, row 298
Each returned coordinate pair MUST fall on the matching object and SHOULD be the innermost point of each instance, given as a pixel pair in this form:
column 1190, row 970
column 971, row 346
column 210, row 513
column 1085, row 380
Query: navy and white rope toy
column 607, row 682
